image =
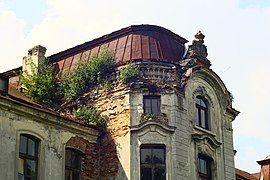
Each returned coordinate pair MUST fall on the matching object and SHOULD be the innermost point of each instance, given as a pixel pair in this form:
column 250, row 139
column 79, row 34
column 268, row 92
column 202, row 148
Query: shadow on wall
column 110, row 166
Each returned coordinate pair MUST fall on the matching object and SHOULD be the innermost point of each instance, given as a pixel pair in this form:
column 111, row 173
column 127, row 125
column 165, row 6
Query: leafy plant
column 88, row 74
column 42, row 84
column 147, row 117
column 45, row 87
column 129, row 73
column 90, row 115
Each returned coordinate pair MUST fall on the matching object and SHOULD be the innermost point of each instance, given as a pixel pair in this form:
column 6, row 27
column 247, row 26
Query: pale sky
column 237, row 36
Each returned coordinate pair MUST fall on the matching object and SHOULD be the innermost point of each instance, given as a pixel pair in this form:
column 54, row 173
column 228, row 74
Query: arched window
column 73, row 162
column 153, row 163
column 28, row 157
column 204, row 167
column 202, row 119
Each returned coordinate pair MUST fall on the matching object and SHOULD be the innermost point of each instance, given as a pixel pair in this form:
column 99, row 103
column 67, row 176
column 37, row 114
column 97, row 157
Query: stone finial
column 199, row 35
column 198, row 50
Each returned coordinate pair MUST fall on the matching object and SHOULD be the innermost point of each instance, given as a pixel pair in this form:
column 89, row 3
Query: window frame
column 200, row 109
column 26, row 156
column 208, row 167
column 153, row 165
column 151, row 98
column 70, row 167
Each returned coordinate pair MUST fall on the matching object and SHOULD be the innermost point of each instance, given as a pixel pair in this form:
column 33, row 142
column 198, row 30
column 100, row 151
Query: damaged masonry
column 173, row 121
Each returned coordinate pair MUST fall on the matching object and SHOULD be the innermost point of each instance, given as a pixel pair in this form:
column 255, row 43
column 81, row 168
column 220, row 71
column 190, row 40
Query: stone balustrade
column 151, row 71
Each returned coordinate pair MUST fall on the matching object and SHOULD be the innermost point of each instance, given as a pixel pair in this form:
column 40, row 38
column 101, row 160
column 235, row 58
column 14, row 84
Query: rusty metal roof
column 240, row 174
column 139, row 42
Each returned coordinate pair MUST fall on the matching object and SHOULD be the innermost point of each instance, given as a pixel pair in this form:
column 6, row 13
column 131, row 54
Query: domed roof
column 140, row 42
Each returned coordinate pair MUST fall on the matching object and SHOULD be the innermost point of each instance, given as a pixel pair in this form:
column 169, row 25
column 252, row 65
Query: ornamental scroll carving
column 201, row 91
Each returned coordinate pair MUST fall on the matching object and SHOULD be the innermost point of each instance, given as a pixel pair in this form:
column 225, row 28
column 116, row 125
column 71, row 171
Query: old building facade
column 174, row 122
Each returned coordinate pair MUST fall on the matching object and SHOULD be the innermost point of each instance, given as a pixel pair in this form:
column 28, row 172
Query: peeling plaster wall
column 115, row 146
column 16, row 120
column 118, row 153
column 220, row 128
column 181, row 149
column 177, row 140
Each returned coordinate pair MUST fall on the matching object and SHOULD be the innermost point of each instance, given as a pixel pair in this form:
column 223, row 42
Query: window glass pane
column 159, row 174
column 78, row 161
column 30, row 178
column 146, row 156
column 147, row 106
column 203, row 120
column 154, row 106
column 202, row 103
column 197, row 117
column 67, row 175
column 72, row 159
column 31, row 168
column 68, row 158
column 23, row 140
column 206, row 119
column 20, row 177
column 21, row 166
column 202, row 166
column 158, row 156
column 31, row 147
column 75, row 158
column 75, row 176
column 146, row 173
column 147, row 103
column 198, row 101
column 73, row 164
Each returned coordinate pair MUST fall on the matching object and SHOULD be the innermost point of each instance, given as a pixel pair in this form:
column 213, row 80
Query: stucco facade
column 52, row 131
column 157, row 113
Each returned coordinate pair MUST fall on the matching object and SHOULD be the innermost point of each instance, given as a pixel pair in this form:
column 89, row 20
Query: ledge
column 143, row 125
column 210, row 138
column 204, row 130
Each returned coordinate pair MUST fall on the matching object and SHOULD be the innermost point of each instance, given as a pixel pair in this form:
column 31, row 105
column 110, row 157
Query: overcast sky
column 237, row 36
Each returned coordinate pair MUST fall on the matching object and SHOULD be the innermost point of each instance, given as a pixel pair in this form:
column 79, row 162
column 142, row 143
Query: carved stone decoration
column 152, row 124
column 205, row 139
column 207, row 145
column 201, row 91
column 198, row 50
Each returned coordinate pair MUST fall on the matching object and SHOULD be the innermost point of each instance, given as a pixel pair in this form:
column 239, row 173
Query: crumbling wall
column 115, row 141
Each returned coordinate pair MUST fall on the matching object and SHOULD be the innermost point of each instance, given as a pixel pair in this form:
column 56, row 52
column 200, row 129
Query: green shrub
column 87, row 74
column 90, row 115
column 42, row 84
column 129, row 73
column 146, row 117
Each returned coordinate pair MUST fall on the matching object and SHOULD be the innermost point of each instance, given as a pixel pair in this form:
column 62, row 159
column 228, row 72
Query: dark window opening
column 28, row 158
column 204, row 167
column 73, row 164
column 153, row 162
column 202, row 113
column 151, row 105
